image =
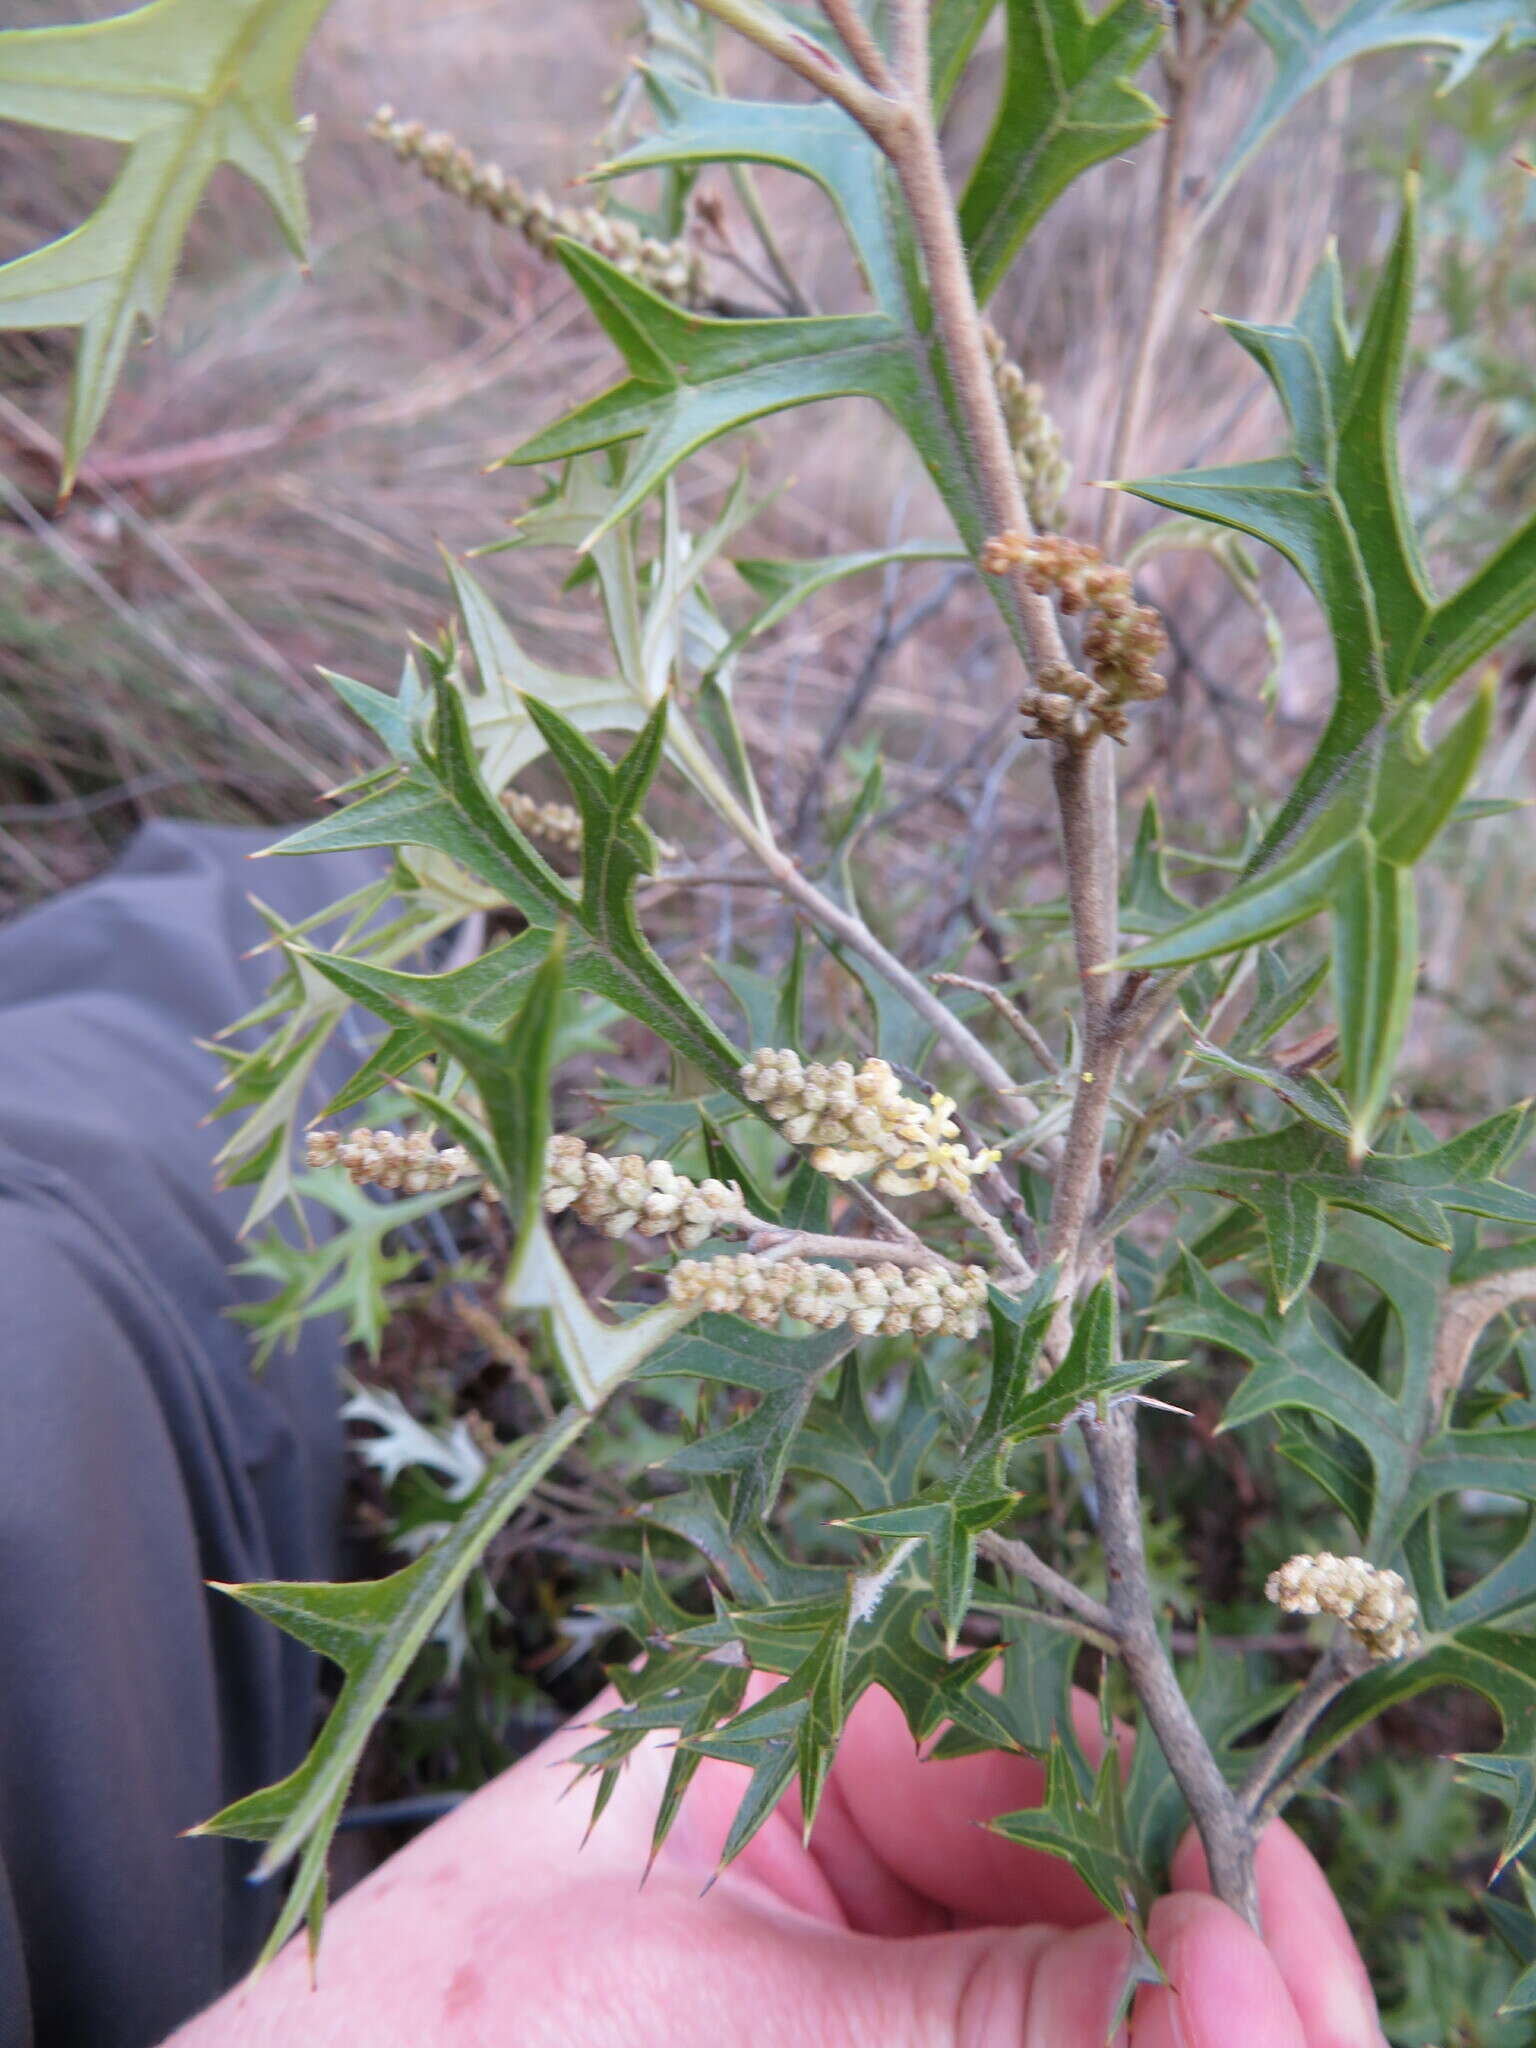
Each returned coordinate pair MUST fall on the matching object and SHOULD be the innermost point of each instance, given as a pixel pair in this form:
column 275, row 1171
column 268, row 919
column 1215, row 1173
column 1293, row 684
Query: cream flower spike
column 885, row 1299
column 648, row 1196
column 859, row 1122
column 403, row 1165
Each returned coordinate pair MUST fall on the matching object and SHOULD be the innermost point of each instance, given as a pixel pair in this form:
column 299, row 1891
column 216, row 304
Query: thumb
column 1224, row 1987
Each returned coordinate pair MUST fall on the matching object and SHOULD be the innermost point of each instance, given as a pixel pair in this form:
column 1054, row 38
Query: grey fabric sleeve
column 139, row 1456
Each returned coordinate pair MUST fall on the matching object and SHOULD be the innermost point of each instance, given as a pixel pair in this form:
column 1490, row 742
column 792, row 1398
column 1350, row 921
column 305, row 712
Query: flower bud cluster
column 860, row 1122
column 674, row 269
column 887, row 1299
column 649, row 1196
column 558, row 824
column 406, row 1165
column 1043, row 470
column 1374, row 1605
column 1120, row 642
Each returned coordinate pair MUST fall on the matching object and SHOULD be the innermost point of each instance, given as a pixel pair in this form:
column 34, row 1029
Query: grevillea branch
column 900, row 121
column 1225, row 1832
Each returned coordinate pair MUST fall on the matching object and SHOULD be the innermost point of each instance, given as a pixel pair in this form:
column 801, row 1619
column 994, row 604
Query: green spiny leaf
column 1307, row 50
column 1288, row 1177
column 784, row 1372
column 511, row 1072
column 186, row 88
column 374, row 1631
column 1334, row 507
column 1087, row 1829
column 1067, row 104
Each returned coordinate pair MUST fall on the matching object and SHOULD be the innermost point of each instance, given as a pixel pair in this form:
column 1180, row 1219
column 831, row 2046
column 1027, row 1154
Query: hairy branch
column 1223, row 1826
column 1343, row 1660
column 1016, row 1556
column 781, row 1240
column 1010, row 1013
column 860, row 43
column 803, row 55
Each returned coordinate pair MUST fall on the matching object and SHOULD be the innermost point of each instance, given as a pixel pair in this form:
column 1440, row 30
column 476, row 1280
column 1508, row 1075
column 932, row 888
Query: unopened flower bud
column 410, row 1165
column 648, row 1196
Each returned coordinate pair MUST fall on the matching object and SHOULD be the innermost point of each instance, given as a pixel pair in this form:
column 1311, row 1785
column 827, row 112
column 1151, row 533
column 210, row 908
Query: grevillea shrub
column 881, row 1264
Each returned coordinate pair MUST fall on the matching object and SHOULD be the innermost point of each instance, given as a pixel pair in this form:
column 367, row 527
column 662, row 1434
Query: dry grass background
column 279, row 466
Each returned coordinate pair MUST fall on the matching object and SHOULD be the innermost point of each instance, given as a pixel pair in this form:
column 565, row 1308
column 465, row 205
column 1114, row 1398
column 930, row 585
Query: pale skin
column 904, row 1925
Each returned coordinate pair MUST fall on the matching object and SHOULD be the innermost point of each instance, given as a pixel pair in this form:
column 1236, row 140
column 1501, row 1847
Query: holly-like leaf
column 791, row 1734
column 948, row 1516
column 618, row 961
column 1294, row 1366
column 1086, row 1827
column 947, row 1522
column 486, row 992
column 874, row 1466
column 1306, row 50
column 373, row 1630
column 511, row 1071
column 830, row 1633
column 439, row 800
column 503, row 732
column 684, row 1688
column 1334, row 507
column 1376, row 1440
column 1291, row 1178
column 1031, row 1693
column 784, row 585
column 656, row 626
column 691, row 379
column 1498, row 1663
column 1067, row 103
column 1089, row 1380
column 269, row 1086
column 348, row 1273
column 1374, row 796
column 875, row 1631
column 185, row 87
column 783, row 1372
column 1355, row 863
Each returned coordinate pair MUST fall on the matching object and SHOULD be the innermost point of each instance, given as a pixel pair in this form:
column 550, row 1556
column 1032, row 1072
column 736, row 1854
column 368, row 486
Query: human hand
column 903, row 1925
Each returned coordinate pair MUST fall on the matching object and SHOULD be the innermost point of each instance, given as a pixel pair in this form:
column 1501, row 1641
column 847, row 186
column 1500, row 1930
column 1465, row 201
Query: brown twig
column 1010, row 1013
column 763, row 1236
column 1224, row 1829
column 1341, row 1663
column 1014, row 1555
